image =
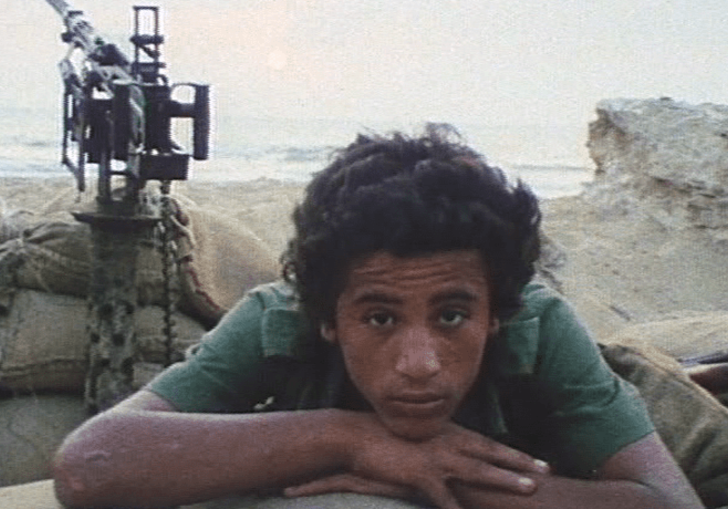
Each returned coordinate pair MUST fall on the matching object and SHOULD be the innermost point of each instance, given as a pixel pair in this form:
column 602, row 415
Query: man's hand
column 386, row 465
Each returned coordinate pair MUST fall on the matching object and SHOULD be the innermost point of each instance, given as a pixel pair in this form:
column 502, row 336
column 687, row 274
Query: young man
column 407, row 355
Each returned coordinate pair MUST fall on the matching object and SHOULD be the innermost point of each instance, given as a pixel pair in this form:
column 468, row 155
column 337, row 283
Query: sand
column 622, row 268
column 617, row 268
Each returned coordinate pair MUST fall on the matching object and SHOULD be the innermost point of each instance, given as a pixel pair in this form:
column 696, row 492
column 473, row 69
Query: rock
column 666, row 158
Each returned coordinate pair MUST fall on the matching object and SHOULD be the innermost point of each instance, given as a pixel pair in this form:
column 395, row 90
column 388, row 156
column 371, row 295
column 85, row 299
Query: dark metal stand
column 112, row 304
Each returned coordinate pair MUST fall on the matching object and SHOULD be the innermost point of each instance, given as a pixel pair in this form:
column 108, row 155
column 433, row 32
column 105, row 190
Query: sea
column 551, row 158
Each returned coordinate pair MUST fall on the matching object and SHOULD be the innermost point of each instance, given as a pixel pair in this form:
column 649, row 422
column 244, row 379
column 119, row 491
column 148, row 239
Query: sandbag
column 694, row 335
column 43, row 342
column 13, row 222
column 691, row 422
column 31, row 429
column 219, row 258
column 34, row 495
column 326, row 501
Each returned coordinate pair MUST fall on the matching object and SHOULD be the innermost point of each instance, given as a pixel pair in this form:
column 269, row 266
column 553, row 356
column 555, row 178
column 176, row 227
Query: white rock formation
column 667, row 158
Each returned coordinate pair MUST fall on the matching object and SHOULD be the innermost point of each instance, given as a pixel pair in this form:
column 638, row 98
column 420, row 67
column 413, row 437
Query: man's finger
column 503, row 456
column 476, row 472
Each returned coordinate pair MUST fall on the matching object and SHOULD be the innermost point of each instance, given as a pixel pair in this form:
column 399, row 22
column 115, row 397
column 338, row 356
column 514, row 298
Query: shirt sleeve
column 589, row 413
column 224, row 374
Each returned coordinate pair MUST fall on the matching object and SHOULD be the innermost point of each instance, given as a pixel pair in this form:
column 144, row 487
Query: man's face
column 412, row 332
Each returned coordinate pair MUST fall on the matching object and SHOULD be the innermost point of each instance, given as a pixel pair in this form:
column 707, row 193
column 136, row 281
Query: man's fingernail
column 542, row 465
column 526, row 483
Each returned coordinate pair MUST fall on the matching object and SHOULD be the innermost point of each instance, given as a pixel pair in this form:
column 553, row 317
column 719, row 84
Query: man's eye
column 380, row 319
column 452, row 318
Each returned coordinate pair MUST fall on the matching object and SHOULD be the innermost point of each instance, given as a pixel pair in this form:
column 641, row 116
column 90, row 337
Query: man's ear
column 328, row 332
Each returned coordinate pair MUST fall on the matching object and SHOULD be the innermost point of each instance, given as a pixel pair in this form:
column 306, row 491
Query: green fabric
column 544, row 386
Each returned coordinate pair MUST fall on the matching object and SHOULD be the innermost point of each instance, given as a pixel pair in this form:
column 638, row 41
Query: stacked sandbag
column 219, row 260
column 692, row 422
column 43, row 343
column 31, row 429
column 44, row 277
column 691, row 335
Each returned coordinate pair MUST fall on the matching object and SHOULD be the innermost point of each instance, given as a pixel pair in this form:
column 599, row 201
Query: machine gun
column 117, row 110
column 117, row 114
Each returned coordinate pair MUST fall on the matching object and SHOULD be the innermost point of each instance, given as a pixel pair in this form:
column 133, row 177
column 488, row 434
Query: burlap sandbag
column 697, row 334
column 40, row 495
column 34, row 495
column 31, row 429
column 326, row 501
column 692, row 423
column 13, row 222
column 50, row 255
column 220, row 259
column 43, row 342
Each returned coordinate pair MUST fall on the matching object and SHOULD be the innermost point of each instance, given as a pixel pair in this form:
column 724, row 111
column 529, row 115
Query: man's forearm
column 148, row 458
column 566, row 493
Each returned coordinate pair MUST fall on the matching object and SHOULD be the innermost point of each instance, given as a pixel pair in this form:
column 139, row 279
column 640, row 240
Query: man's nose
column 417, row 357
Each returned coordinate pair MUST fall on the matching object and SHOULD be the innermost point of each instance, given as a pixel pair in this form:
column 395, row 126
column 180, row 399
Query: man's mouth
column 418, row 404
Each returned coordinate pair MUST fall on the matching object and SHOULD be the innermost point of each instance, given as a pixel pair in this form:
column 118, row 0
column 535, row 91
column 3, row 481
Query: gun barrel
column 116, row 110
column 61, row 6
column 78, row 29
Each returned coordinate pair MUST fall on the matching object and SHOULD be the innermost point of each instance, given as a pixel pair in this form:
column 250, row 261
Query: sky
column 459, row 61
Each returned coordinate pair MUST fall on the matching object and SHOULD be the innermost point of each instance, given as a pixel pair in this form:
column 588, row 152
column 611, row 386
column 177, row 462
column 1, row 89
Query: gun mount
column 117, row 114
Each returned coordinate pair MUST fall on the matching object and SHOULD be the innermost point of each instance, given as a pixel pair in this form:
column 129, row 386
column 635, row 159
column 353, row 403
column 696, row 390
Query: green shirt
column 543, row 387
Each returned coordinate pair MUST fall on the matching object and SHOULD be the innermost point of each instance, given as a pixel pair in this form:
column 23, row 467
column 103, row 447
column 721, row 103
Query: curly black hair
column 410, row 197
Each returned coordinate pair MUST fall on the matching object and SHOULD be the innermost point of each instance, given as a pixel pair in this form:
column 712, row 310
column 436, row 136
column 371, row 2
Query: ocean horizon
column 552, row 159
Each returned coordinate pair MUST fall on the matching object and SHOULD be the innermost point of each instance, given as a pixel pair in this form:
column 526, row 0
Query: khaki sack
column 694, row 335
column 326, row 501
column 13, row 222
column 43, row 342
column 31, row 429
column 52, row 256
column 220, row 259
column 691, row 422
